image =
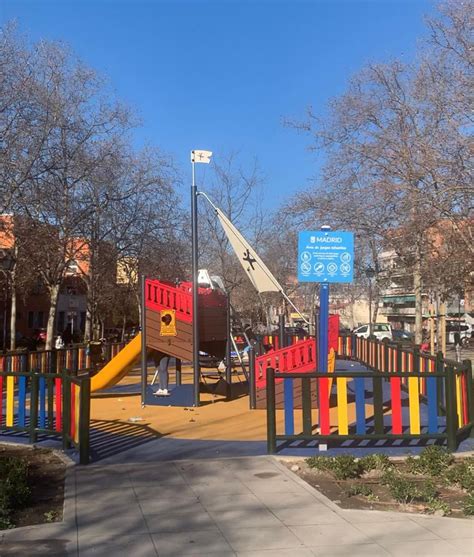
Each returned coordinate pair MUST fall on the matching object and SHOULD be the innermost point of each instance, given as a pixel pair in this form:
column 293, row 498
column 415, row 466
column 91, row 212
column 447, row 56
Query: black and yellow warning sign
column 168, row 323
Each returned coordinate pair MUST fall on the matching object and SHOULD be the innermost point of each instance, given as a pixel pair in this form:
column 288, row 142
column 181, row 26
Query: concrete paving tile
column 118, row 499
column 245, row 518
column 102, row 480
column 247, row 539
column 330, row 534
column 177, row 504
column 112, row 523
column 191, row 543
column 38, row 548
column 293, row 552
column 179, row 521
column 283, row 485
column 228, row 502
column 93, row 514
column 220, row 488
column 137, row 545
column 308, row 514
column 448, row 528
column 360, row 516
column 352, row 550
column 264, row 473
column 162, row 491
column 58, row 530
column 426, row 548
column 398, row 530
column 463, row 544
column 288, row 500
column 151, row 476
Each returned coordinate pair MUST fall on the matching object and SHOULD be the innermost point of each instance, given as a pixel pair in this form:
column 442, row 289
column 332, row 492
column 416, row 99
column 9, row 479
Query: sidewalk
column 245, row 507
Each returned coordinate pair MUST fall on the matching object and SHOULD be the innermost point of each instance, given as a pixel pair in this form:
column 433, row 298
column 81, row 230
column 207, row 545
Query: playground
column 151, row 396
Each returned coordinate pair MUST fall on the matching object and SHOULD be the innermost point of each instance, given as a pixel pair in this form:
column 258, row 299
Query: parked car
column 292, row 331
column 464, row 329
column 399, row 335
column 40, row 335
column 208, row 360
column 379, row 330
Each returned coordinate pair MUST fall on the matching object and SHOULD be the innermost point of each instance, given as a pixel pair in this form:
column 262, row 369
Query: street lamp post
column 370, row 273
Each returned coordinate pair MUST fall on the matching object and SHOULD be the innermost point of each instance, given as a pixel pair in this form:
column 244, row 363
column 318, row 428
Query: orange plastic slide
column 118, row 366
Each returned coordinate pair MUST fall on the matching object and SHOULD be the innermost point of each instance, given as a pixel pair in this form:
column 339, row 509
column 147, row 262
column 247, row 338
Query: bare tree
column 397, row 160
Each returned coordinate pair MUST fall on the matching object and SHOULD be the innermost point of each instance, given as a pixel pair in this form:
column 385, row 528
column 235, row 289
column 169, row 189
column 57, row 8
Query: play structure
column 167, row 318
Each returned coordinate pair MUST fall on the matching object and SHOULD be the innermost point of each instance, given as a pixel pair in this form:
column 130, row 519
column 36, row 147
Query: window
column 381, row 328
column 40, row 319
column 61, row 321
column 362, row 329
column 83, row 321
column 30, row 320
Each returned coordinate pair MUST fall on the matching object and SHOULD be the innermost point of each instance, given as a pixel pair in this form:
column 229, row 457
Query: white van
column 379, row 330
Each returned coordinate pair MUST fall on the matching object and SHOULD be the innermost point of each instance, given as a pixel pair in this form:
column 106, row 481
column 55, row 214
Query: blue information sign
column 325, row 256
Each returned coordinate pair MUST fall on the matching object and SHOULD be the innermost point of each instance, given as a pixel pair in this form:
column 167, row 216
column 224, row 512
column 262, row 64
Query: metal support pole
column 178, row 372
column 271, row 411
column 252, row 379
column 144, row 358
column 228, row 356
column 281, row 331
column 323, row 328
column 371, row 326
column 195, row 263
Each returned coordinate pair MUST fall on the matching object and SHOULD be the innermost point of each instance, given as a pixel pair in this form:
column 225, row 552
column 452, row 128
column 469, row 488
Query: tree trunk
column 53, row 295
column 13, row 317
column 417, row 283
column 124, row 322
column 88, row 325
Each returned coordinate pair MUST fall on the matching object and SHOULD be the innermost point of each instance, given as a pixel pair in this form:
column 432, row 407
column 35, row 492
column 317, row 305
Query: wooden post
column 432, row 330
column 84, row 420
column 442, row 324
column 252, row 385
column 33, row 406
column 271, row 411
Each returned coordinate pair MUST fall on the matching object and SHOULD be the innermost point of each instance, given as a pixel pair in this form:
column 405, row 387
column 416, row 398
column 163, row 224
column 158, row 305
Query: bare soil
column 46, row 475
column 380, row 499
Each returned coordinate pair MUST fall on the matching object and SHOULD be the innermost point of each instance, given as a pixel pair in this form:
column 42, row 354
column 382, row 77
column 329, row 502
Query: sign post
column 325, row 256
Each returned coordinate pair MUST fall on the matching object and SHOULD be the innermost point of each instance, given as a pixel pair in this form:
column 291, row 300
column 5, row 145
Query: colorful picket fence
column 46, row 404
column 72, row 360
column 47, row 393
column 401, row 394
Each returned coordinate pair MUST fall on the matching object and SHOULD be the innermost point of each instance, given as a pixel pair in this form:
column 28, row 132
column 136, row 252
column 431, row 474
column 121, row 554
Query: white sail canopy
column 257, row 271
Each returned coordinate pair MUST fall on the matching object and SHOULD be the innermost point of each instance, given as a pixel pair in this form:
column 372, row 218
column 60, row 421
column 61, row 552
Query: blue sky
column 223, row 75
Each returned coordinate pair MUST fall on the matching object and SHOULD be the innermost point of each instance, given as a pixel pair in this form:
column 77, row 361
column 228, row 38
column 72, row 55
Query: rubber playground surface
column 215, row 419
column 122, row 430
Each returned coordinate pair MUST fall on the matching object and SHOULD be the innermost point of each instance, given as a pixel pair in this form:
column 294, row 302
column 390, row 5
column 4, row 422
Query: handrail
column 299, row 357
column 159, row 296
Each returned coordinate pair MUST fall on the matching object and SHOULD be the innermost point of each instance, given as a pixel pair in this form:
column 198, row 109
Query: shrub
column 438, row 505
column 342, row 467
column 319, row 462
column 408, row 491
column 462, row 474
column 345, row 467
column 375, row 462
column 433, row 461
column 468, row 507
column 14, row 489
column 359, row 489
